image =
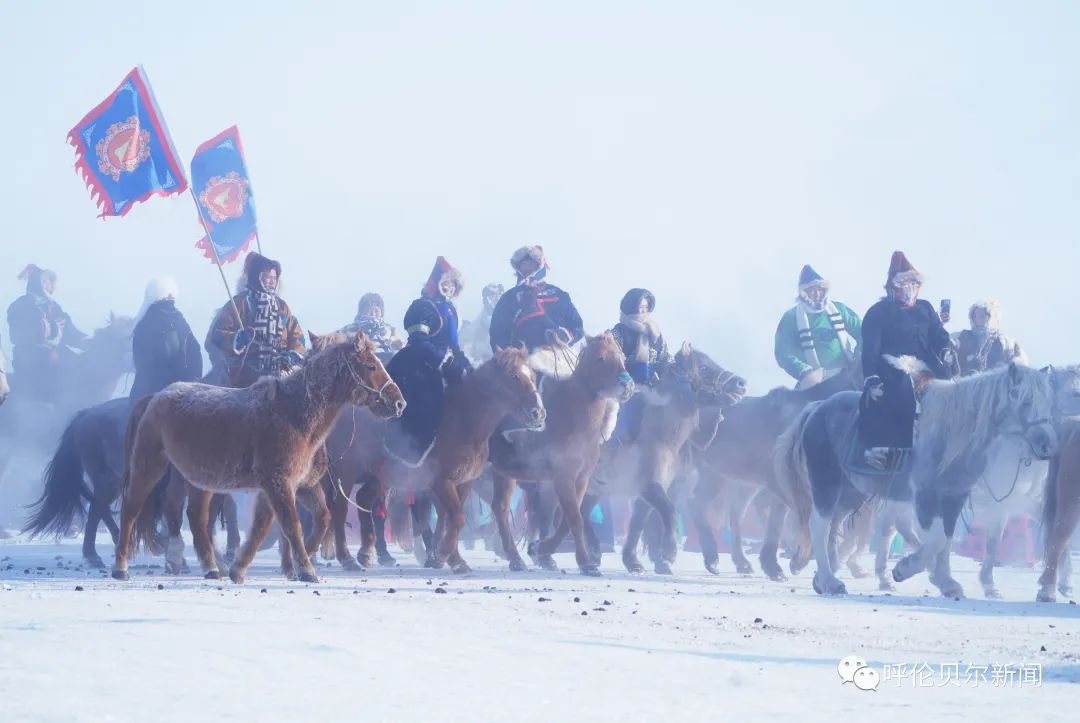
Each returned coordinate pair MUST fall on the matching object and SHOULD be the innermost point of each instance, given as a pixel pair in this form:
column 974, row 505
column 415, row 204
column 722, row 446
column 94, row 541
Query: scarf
column 806, row 338
column 265, row 320
column 646, row 329
column 534, row 278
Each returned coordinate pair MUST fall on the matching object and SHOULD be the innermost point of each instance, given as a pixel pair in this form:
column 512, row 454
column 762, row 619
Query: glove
column 875, row 388
column 242, row 339
column 811, row 378
column 293, row 359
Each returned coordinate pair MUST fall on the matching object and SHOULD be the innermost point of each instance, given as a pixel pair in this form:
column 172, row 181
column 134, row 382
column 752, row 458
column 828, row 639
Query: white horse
column 999, row 426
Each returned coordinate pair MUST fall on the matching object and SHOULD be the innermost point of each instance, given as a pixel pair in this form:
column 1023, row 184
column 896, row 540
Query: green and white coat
column 807, row 340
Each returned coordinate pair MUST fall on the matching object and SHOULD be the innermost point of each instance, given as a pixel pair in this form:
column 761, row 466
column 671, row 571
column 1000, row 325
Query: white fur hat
column 163, row 287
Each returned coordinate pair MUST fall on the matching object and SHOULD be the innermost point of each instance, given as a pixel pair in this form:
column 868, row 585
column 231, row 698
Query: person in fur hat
column 42, row 335
column 476, row 333
column 817, row 339
column 901, row 324
column 432, row 358
column 534, row 311
column 639, row 337
column 983, row 346
column 163, row 348
column 266, row 339
column 370, row 319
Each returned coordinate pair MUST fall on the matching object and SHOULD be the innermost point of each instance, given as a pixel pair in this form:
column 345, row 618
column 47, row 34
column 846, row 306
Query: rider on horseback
column 646, row 352
column 267, row 338
column 431, row 358
column 42, row 335
column 983, row 346
column 534, row 310
column 163, row 347
column 370, row 319
column 899, row 325
column 475, row 333
column 816, row 339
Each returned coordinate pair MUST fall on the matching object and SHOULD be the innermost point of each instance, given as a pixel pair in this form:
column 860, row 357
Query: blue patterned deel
column 226, row 202
column 123, row 150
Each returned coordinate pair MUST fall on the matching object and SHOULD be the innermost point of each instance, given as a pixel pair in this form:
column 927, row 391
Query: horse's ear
column 686, row 349
column 112, row 318
column 314, row 338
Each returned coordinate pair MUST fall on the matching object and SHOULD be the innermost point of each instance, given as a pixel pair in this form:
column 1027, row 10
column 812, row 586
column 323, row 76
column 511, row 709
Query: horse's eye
column 370, row 367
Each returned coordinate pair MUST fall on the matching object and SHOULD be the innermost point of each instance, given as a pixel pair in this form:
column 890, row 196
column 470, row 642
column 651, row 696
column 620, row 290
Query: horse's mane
column 967, row 413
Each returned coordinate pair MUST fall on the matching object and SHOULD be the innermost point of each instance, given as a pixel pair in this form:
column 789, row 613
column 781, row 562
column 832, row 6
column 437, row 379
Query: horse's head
column 515, row 383
column 364, row 375
column 1031, row 409
column 1065, row 382
column 708, row 382
column 602, row 366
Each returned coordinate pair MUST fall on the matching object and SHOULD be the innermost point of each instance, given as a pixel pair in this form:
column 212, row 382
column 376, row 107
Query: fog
column 702, row 150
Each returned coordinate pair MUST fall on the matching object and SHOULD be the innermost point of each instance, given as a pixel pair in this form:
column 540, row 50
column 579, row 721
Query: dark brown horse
column 266, row 437
column 580, row 412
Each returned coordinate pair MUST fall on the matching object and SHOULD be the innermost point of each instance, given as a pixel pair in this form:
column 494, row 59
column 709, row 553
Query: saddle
column 855, row 461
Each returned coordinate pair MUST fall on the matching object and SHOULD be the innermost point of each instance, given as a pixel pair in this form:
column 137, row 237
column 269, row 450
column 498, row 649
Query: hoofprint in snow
column 503, row 646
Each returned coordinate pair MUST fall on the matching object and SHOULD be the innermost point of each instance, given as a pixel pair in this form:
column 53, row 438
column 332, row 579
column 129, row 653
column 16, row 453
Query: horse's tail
column 791, row 475
column 146, row 524
column 65, row 486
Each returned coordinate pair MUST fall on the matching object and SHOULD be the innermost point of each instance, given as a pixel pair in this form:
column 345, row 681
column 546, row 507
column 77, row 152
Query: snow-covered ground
column 497, row 646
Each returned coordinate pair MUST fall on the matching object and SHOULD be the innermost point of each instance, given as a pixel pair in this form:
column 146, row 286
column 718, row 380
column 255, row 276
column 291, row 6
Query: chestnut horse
column 265, row 437
column 581, row 410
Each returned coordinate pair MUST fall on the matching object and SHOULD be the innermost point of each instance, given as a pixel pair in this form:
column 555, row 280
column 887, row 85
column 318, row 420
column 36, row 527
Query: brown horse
column 580, row 412
column 1060, row 515
column 692, row 383
column 264, row 437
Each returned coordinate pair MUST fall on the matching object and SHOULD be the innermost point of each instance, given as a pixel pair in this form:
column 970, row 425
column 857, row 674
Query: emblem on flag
column 226, row 200
column 127, row 135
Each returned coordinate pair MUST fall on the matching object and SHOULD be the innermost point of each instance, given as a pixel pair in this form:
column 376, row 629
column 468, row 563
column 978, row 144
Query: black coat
column 419, row 370
column 526, row 313
column 893, row 329
column 164, row 350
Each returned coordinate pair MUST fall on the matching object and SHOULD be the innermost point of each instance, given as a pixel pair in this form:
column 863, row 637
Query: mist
column 705, row 151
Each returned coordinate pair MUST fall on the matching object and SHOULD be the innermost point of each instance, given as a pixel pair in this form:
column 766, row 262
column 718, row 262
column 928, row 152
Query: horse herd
column 998, row 440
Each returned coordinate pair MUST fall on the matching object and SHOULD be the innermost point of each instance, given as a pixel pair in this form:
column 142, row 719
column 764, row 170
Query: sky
column 703, row 150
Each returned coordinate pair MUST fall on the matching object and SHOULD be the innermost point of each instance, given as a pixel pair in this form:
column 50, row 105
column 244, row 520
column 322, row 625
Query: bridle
column 379, row 396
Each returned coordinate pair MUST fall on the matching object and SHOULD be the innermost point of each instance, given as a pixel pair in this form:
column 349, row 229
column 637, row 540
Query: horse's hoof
column 213, row 575
column 1065, row 590
column 856, row 571
column 434, row 563
column 635, row 568
column 829, row 587
column 1046, row 596
column 236, row 576
column 590, row 571
column 518, row 566
column 991, row 593
column 773, row 572
column 904, row 570
column 713, row 567
column 386, row 559
column 797, row 565
column 121, row 575
column 461, row 568
column 95, row 562
column 365, row 560
column 350, row 565
column 662, row 568
column 308, row 576
column 744, row 568
column 885, row 586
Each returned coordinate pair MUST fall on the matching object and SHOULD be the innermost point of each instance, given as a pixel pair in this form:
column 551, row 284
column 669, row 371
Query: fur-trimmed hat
column 35, row 277
column 255, row 264
column 631, row 301
column 992, row 309
column 901, row 272
column 159, row 289
column 367, row 301
column 809, row 278
column 442, row 272
column 536, row 253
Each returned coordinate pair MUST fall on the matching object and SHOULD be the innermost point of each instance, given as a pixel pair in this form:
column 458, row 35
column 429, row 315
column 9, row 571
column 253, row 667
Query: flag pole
column 258, row 243
column 217, row 261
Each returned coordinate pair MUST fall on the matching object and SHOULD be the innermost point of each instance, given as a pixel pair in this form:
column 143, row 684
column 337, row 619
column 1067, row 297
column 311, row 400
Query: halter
column 367, row 387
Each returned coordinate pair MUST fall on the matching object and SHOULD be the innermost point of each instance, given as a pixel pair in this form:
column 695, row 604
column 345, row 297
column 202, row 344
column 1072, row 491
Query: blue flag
column 123, row 150
column 226, row 202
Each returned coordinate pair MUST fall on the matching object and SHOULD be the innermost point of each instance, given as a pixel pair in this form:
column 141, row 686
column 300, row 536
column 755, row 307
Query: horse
column 646, row 468
column 1061, row 510
column 959, row 420
column 581, row 409
column 952, row 453
column 741, row 452
column 264, row 437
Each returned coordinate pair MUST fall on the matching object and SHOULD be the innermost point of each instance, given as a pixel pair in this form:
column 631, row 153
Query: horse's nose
column 399, row 407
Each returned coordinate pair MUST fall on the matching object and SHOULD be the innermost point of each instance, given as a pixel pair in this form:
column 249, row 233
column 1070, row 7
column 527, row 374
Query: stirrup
column 878, row 457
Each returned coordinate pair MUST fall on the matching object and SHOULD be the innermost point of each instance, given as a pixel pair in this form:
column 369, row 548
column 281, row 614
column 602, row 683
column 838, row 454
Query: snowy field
column 496, row 646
